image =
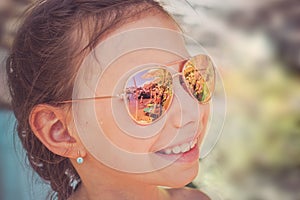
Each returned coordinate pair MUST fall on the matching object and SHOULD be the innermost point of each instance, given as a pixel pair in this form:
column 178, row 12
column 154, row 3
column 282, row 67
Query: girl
column 67, row 69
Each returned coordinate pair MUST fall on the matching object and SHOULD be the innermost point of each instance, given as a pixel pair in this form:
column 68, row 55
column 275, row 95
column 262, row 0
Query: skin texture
column 55, row 127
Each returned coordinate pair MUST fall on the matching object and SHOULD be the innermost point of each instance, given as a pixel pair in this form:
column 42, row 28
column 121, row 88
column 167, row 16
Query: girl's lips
column 187, row 157
column 182, row 148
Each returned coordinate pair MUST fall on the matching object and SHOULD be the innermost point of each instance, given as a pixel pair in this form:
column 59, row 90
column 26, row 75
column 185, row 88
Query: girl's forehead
column 149, row 41
column 159, row 32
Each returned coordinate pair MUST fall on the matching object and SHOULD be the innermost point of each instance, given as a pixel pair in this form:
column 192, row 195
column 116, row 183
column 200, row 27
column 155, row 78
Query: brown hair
column 42, row 65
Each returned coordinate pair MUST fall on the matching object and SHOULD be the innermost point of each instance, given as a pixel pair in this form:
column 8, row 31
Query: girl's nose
column 184, row 108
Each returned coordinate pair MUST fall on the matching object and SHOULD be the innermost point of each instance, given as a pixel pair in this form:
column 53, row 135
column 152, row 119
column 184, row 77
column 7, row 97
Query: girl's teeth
column 181, row 149
column 185, row 147
column 168, row 151
column 176, row 150
column 193, row 143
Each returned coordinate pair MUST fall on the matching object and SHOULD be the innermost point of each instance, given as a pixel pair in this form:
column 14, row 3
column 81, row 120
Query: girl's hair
column 48, row 49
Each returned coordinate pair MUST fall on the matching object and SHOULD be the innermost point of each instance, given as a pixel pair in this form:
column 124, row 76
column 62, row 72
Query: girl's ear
column 50, row 125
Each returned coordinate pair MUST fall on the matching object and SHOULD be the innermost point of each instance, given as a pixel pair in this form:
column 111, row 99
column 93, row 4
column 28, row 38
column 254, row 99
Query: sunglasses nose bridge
column 174, row 76
column 180, row 81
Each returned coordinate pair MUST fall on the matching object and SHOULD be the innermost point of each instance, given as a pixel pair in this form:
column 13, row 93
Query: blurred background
column 256, row 45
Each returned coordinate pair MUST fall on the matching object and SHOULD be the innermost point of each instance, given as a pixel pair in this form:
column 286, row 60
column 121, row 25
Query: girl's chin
column 179, row 180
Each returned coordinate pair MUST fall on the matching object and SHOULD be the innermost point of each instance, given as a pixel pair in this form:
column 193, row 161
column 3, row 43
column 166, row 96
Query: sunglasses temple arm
column 90, row 99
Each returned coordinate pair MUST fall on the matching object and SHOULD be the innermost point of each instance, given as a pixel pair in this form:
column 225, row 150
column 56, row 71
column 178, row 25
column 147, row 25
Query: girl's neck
column 120, row 191
column 109, row 184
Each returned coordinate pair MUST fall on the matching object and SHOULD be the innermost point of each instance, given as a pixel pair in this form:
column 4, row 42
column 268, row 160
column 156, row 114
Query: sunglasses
column 148, row 93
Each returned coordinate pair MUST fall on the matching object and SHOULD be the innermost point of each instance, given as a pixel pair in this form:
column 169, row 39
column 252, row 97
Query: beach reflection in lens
column 199, row 75
column 148, row 94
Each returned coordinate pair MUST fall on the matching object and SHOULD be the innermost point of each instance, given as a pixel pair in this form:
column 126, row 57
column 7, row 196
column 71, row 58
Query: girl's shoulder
column 187, row 193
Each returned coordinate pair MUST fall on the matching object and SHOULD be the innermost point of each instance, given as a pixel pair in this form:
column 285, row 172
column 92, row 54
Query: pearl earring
column 80, row 159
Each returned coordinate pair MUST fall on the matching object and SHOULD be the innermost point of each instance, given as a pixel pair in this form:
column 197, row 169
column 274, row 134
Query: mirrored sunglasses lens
column 199, row 75
column 148, row 95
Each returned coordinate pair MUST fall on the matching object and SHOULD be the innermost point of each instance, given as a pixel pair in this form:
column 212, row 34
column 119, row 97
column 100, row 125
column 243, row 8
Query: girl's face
column 160, row 144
